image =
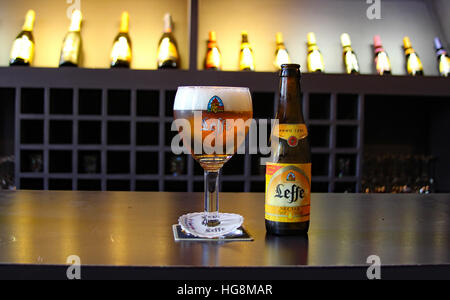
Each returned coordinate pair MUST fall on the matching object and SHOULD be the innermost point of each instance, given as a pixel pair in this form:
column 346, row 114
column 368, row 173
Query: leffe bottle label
column 288, row 192
column 292, row 133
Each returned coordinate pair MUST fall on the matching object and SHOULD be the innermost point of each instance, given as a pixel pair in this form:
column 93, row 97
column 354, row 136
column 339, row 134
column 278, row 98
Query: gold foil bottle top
column 279, row 38
column 244, row 35
column 311, row 38
column 168, row 23
column 75, row 24
column 212, row 36
column 345, row 40
column 124, row 22
column 406, row 42
column 29, row 20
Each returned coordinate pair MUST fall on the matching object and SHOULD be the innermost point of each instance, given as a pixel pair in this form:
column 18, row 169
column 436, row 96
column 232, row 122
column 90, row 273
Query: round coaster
column 193, row 224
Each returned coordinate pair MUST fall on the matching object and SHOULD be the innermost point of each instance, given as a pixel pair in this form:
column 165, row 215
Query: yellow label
column 281, row 58
column 23, row 48
column 246, row 59
column 288, row 192
column 383, row 63
column 292, row 133
column 121, row 50
column 414, row 64
column 71, row 48
column 351, row 62
column 167, row 50
column 315, row 61
column 214, row 58
column 444, row 66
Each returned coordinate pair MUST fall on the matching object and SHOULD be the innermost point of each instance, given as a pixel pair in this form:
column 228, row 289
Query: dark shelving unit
column 86, row 129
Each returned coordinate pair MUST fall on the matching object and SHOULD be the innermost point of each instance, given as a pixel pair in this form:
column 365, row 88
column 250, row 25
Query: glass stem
column 211, row 198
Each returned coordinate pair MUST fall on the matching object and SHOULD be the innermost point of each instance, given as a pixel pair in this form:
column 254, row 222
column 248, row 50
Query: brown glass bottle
column 288, row 174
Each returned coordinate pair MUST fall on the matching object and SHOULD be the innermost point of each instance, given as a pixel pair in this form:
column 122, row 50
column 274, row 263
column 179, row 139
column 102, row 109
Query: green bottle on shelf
column 168, row 57
column 382, row 61
column 246, row 58
column 314, row 59
column 71, row 48
column 350, row 59
column 442, row 57
column 213, row 57
column 414, row 65
column 281, row 53
column 22, row 51
column 121, row 52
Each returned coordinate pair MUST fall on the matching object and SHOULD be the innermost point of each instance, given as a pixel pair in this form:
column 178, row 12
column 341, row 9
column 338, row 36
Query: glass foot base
column 239, row 235
column 195, row 225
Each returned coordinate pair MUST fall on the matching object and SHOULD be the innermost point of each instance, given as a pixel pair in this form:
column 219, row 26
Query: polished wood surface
column 134, row 229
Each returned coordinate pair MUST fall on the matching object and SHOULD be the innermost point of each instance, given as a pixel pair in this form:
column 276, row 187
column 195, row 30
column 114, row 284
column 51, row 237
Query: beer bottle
column 288, row 174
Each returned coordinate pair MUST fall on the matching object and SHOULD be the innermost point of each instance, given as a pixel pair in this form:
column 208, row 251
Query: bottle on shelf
column 246, row 58
column 281, row 53
column 22, row 51
column 442, row 57
column 71, row 47
column 382, row 62
column 314, row 59
column 213, row 58
column 288, row 174
column 168, row 57
column 121, row 51
column 413, row 64
column 350, row 59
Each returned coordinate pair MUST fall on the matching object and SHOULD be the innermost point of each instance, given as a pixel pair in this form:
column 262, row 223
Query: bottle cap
column 212, row 36
column 437, row 43
column 244, row 35
column 406, row 42
column 29, row 20
column 76, row 20
column 312, row 38
column 279, row 37
column 168, row 24
column 125, row 19
column 289, row 70
column 30, row 14
column 377, row 41
column 345, row 40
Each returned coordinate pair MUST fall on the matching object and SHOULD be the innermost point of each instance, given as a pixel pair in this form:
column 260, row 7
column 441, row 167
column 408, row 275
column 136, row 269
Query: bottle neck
column 409, row 51
column 29, row 22
column 124, row 24
column 289, row 106
column 212, row 41
column 440, row 52
column 212, row 44
column 379, row 49
column 312, row 47
column 168, row 24
column 279, row 39
column 347, row 48
column 75, row 24
column 281, row 46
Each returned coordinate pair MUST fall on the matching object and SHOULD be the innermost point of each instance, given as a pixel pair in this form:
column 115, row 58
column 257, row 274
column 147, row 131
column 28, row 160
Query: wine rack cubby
column 110, row 129
column 119, row 139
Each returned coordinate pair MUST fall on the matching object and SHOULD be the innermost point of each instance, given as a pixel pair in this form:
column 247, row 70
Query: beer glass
column 216, row 118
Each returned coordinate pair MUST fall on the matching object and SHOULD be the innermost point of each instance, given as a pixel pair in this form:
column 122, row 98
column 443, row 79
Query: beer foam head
column 198, row 98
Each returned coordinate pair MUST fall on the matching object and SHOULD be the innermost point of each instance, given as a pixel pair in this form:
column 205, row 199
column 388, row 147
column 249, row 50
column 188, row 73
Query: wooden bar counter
column 129, row 235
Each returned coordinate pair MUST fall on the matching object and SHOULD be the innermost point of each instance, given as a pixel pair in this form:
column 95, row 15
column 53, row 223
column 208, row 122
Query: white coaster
column 193, row 224
column 239, row 235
